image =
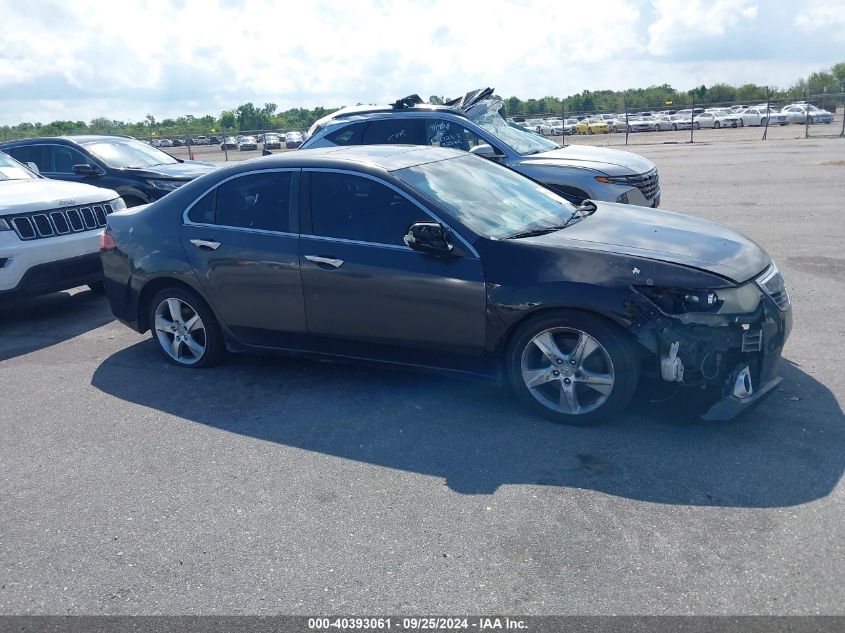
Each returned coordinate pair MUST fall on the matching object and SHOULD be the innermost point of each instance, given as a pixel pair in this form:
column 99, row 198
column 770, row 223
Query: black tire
column 674, row 127
column 98, row 287
column 763, row 122
column 697, row 125
column 624, row 363
column 212, row 336
column 716, row 125
column 741, row 123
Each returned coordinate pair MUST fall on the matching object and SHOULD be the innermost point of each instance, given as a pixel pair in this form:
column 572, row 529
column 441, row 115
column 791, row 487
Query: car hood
column 186, row 170
column 42, row 194
column 664, row 236
column 613, row 162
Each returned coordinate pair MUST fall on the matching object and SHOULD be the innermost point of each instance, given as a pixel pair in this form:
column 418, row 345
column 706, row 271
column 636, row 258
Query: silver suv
column 473, row 123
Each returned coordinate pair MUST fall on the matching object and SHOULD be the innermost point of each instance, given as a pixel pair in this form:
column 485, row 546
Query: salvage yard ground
column 271, row 485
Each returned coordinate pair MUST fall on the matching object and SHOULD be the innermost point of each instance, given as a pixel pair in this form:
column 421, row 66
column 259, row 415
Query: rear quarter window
column 347, row 135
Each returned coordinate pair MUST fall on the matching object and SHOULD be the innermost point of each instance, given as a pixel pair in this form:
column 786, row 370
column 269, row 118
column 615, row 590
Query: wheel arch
column 504, row 342
column 153, row 287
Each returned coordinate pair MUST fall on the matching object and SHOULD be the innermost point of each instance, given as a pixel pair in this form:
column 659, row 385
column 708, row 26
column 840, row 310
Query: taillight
column 106, row 242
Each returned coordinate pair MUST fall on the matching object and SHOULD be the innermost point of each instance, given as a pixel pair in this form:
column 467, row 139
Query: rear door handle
column 206, row 244
column 337, row 263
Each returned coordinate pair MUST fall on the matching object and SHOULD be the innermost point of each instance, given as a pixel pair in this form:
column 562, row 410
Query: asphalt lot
column 270, row 485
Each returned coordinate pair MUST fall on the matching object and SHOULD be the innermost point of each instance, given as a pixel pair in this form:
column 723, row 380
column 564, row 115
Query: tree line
column 249, row 117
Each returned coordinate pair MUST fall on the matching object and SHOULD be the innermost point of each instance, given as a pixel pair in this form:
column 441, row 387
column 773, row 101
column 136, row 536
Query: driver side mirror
column 85, row 170
column 485, row 151
column 428, row 237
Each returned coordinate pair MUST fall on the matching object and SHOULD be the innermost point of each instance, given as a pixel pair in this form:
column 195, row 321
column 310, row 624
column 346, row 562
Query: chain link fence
column 817, row 116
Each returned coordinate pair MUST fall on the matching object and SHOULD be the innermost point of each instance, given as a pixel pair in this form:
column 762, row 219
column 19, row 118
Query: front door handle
column 337, row 263
column 206, row 244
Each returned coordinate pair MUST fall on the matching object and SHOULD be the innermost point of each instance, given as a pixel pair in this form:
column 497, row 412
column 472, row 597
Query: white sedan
column 716, row 120
column 759, row 116
column 798, row 114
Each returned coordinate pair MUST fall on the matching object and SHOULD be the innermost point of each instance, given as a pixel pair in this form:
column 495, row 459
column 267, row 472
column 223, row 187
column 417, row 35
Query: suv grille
column 772, row 283
column 47, row 224
column 648, row 183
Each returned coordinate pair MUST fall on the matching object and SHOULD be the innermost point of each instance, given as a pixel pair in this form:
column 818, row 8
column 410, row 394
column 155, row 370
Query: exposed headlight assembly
column 739, row 300
column 118, row 204
column 4, row 226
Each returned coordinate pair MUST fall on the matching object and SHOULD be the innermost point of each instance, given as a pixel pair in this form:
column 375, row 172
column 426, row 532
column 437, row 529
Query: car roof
column 384, row 157
column 81, row 139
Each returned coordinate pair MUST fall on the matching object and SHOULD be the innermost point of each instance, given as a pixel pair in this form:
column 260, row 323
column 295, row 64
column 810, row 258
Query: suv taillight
column 106, row 242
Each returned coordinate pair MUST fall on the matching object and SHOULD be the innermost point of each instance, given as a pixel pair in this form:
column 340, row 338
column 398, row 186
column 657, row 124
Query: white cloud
column 824, row 16
column 682, row 22
column 78, row 59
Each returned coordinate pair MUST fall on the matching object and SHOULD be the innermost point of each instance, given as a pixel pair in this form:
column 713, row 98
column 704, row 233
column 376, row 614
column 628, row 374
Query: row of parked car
column 269, row 141
column 734, row 116
column 410, row 234
column 242, row 142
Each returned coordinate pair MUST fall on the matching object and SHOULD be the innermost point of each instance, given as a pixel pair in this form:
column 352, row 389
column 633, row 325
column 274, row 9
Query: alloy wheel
column 567, row 371
column 180, row 331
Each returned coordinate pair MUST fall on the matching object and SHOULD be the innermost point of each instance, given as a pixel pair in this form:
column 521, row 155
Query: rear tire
column 98, row 287
column 184, row 329
column 716, row 125
column 763, row 122
column 581, row 368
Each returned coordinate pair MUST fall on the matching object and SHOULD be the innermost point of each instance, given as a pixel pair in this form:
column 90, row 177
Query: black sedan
column 435, row 258
column 138, row 172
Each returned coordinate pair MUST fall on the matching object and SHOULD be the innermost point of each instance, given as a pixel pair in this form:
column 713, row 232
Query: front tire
column 741, row 123
column 717, row 125
column 184, row 329
column 763, row 122
column 697, row 125
column 572, row 367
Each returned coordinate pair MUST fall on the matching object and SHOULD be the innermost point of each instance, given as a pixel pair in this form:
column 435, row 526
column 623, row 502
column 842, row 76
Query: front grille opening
column 100, row 215
column 75, row 219
column 108, row 209
column 60, row 222
column 24, row 228
column 42, row 224
column 88, row 217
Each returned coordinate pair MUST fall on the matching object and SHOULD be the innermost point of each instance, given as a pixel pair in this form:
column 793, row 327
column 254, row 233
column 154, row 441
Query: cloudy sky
column 78, row 59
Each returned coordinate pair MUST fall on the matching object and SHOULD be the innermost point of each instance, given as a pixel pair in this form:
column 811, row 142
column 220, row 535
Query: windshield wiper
column 587, row 208
column 538, row 231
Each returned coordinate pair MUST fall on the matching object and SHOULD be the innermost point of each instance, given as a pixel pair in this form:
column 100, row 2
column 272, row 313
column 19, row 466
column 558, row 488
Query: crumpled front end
column 728, row 341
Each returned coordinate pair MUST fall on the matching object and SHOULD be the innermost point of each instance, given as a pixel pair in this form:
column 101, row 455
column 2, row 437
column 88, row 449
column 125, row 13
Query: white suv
column 49, row 232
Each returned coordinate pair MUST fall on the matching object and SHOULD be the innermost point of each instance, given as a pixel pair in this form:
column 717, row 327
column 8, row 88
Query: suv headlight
column 166, row 185
column 118, row 204
column 739, row 300
column 4, row 226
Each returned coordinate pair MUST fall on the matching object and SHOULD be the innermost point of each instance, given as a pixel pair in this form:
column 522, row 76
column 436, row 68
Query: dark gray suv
column 473, row 123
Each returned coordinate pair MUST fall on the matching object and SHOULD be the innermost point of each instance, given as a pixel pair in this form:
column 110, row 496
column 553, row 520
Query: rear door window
column 255, row 201
column 394, row 130
column 32, row 154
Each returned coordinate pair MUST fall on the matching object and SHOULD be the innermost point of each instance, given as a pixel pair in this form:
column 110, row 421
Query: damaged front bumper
column 734, row 357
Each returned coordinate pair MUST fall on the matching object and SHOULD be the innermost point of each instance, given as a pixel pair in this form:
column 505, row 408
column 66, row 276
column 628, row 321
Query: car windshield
column 10, row 169
column 129, row 154
column 491, row 200
column 486, row 115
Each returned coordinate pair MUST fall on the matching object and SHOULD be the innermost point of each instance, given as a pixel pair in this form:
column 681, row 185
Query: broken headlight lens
column 739, row 300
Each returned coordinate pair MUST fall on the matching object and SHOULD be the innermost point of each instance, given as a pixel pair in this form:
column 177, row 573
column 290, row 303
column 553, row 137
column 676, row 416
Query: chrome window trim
column 242, row 229
column 325, row 238
column 428, row 212
column 187, row 221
